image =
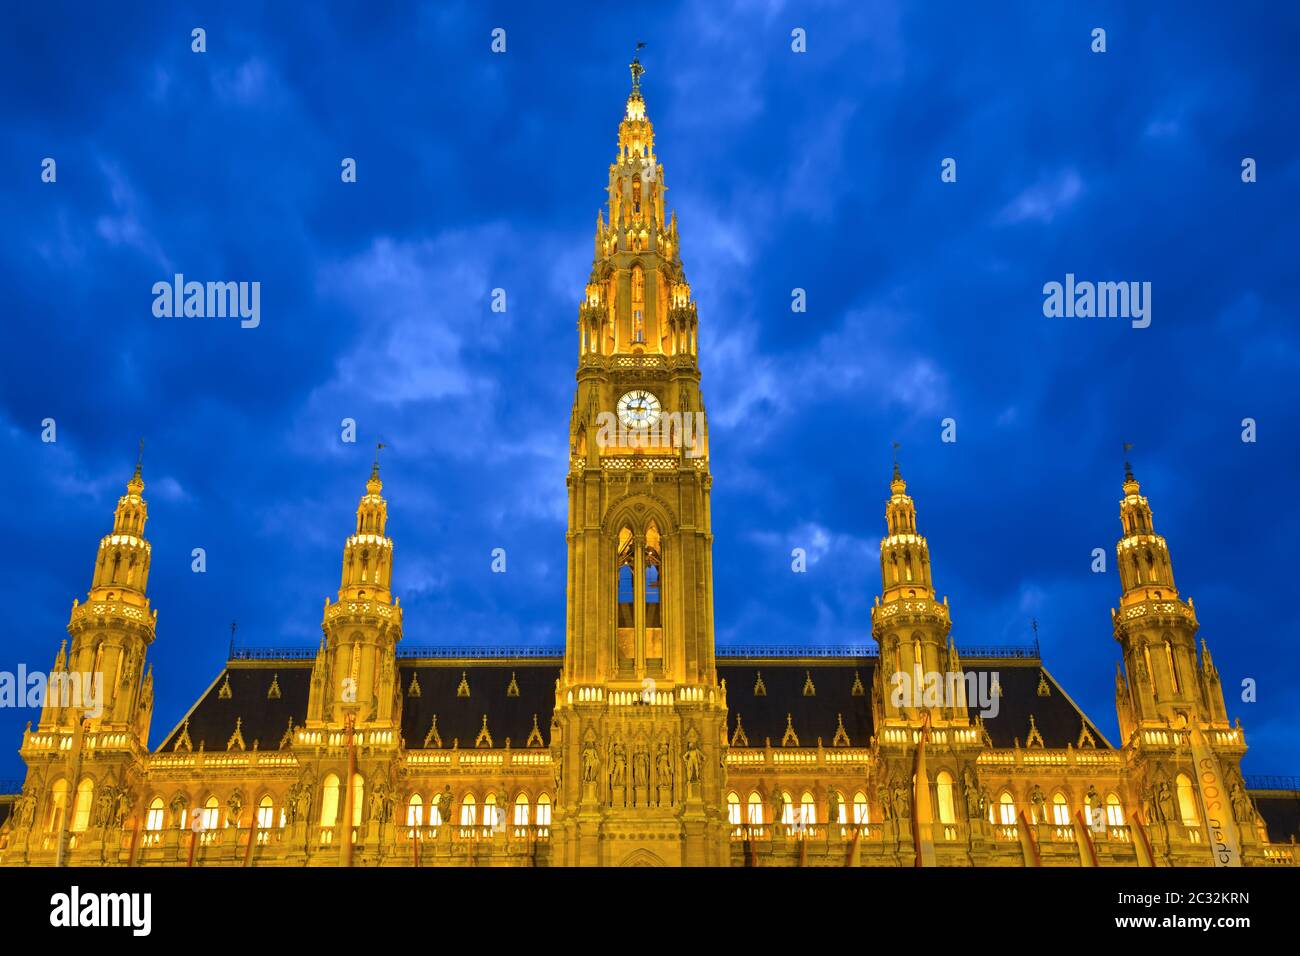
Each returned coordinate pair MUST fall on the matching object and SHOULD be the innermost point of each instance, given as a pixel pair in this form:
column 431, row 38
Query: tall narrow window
column 81, row 808
column 211, row 814
column 358, row 799
column 861, row 814
column 842, row 814
column 543, row 811
column 1007, row 809
column 626, row 622
column 807, row 810
column 943, row 789
column 266, row 813
column 1173, row 670
column 638, row 290
column 754, row 814
column 654, row 635
column 329, row 801
column 415, row 811
column 521, row 810
column 1060, row 810
column 58, row 806
column 154, row 818
column 1114, row 811
column 468, row 811
column 490, row 810
column 1187, row 802
column 733, row 809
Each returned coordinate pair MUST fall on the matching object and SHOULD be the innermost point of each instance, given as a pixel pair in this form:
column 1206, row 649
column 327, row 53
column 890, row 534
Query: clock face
column 638, row 409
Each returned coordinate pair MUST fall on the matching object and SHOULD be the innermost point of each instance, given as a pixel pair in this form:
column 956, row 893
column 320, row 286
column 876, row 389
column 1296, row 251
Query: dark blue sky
column 818, row 171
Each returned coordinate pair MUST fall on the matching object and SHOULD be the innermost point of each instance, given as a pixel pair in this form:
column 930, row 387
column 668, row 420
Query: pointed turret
column 356, row 671
column 102, row 674
column 1165, row 684
column 919, row 669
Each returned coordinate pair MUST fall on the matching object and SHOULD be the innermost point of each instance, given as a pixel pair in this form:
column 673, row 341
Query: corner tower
column 639, row 716
column 111, row 632
column 355, row 674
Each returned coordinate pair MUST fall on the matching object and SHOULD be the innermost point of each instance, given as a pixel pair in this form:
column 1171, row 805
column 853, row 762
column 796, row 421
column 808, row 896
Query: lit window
column 861, row 814
column 468, row 811
column 435, row 814
column 755, row 810
column 807, row 810
column 1060, row 810
column 733, row 809
column 58, row 805
column 1007, row 808
column 266, row 813
column 154, row 818
column 329, row 801
column 543, row 811
column 943, row 788
column 358, row 799
column 81, row 808
column 210, row 811
column 1114, row 811
column 490, row 810
column 1187, row 802
column 521, row 810
column 415, row 811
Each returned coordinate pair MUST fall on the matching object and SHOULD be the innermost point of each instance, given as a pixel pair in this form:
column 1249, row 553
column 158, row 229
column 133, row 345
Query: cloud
column 1044, row 200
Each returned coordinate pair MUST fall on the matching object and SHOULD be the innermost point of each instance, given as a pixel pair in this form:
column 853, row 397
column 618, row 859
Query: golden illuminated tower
column 911, row 626
column 639, row 719
column 356, row 667
column 110, row 633
column 1163, row 684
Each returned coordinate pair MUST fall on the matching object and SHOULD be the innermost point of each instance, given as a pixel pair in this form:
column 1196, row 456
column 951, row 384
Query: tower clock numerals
column 639, row 409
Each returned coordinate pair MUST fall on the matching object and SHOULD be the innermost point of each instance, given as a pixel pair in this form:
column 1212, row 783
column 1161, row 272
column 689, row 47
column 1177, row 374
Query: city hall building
column 642, row 743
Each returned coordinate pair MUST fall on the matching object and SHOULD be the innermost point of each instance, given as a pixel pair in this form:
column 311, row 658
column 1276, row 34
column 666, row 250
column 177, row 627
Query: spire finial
column 897, row 473
column 637, row 69
column 139, row 457
column 1128, row 469
column 379, row 446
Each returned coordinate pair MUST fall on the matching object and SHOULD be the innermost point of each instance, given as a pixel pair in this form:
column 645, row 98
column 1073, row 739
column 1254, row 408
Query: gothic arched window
column 1060, row 810
column 58, row 806
column 861, row 812
column 1006, row 808
column 154, row 818
column 1114, row 811
column 943, row 789
column 415, row 811
column 754, row 816
column 521, row 810
column 81, row 807
column 329, row 801
column 1187, row 810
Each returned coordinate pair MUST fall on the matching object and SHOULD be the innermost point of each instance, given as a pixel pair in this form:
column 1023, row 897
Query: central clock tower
column 638, row 735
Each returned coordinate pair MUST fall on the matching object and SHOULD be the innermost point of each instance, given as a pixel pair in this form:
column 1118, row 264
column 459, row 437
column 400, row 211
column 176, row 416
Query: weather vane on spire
column 897, row 445
column 1128, row 469
column 139, row 457
column 379, row 445
column 637, row 69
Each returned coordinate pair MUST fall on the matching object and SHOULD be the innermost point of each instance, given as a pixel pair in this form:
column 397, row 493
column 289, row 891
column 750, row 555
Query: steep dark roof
column 1057, row 718
column 811, row 717
column 1055, row 715
column 461, row 718
column 265, row 718
column 1281, row 812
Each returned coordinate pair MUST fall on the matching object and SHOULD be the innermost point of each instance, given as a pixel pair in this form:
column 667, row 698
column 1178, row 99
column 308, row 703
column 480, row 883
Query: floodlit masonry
column 642, row 742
